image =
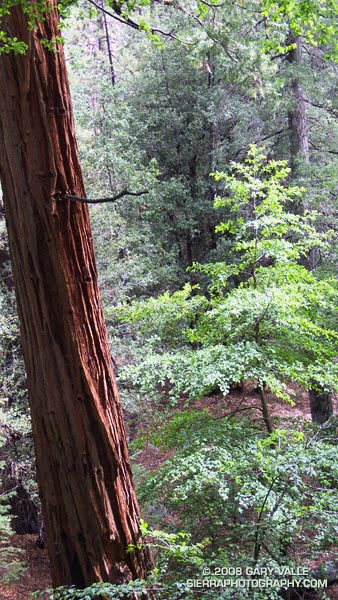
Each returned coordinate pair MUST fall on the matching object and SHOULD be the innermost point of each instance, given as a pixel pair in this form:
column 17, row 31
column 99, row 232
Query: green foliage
column 196, row 373
column 174, row 126
column 169, row 107
column 262, row 226
column 316, row 21
column 65, row 6
column 11, row 565
column 169, row 548
column 175, row 315
column 8, row 45
column 226, row 479
column 97, row 590
column 172, row 548
column 175, row 591
column 13, row 384
column 17, row 467
column 267, row 320
column 137, row 252
column 34, row 11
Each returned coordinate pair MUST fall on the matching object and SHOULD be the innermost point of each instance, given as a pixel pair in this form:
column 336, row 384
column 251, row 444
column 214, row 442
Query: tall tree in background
column 175, row 105
column 320, row 400
column 87, row 494
column 298, row 130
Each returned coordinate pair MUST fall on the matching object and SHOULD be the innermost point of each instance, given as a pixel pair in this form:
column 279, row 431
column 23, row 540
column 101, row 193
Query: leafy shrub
column 277, row 324
column 273, row 499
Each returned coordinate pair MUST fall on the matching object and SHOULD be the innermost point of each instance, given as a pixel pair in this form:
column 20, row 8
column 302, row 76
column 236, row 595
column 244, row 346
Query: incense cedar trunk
column 88, row 500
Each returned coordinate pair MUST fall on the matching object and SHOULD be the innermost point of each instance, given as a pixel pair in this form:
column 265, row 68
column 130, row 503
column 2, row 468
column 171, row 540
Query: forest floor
column 37, row 577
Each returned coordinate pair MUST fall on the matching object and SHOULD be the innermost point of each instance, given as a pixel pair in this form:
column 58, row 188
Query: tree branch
column 314, row 147
column 102, row 200
column 266, row 137
column 125, row 21
column 213, row 37
column 133, row 24
column 329, row 109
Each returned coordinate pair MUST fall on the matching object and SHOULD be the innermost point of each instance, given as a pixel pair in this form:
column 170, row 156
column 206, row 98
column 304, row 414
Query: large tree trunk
column 88, row 500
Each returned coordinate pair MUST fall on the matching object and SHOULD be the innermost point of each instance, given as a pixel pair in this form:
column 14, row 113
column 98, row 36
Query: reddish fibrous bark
column 88, row 499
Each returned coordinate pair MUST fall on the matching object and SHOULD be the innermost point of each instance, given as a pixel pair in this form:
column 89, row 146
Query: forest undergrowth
column 147, row 458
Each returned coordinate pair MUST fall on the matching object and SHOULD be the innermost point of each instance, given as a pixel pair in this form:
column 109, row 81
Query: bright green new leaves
column 316, row 20
column 262, row 227
column 10, row 44
column 268, row 319
column 35, row 13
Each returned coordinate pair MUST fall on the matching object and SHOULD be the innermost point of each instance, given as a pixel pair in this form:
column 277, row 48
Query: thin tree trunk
column 321, row 406
column 298, row 132
column 265, row 410
column 88, row 500
column 109, row 50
